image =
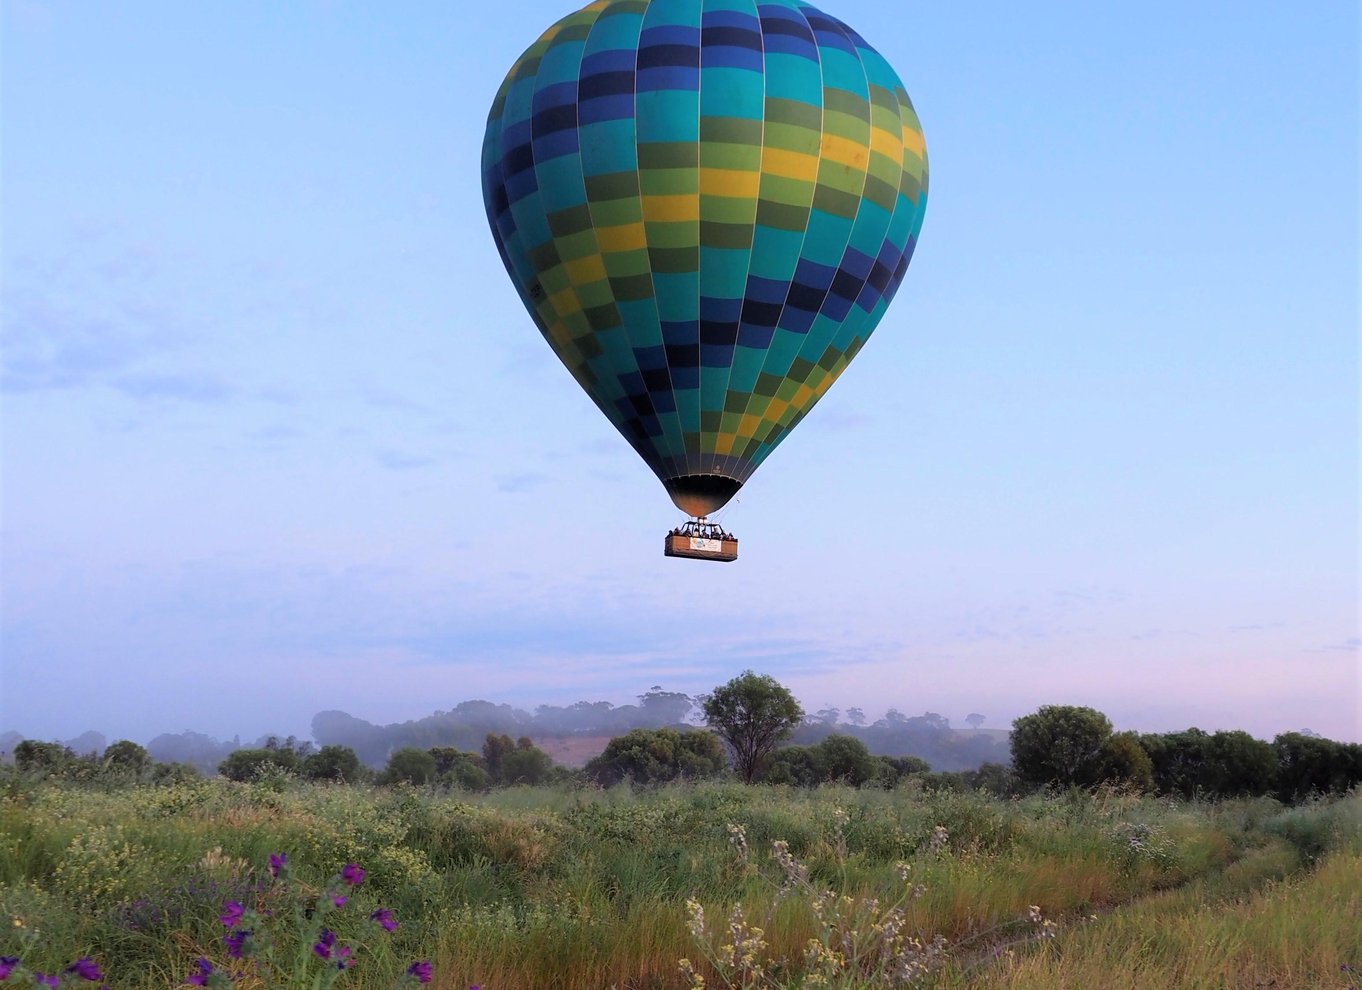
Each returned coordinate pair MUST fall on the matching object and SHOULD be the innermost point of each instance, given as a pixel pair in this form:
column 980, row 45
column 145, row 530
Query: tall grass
column 1303, row 933
column 587, row 889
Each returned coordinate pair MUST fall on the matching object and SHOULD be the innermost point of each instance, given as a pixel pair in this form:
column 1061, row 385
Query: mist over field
column 571, row 734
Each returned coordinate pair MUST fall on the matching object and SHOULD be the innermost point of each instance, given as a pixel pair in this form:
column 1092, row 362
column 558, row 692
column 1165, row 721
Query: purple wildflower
column 384, row 919
column 322, row 947
column 7, row 964
column 200, row 979
column 343, row 960
column 339, row 900
column 421, row 970
column 232, row 913
column 278, row 861
column 43, row 980
column 353, row 874
column 86, row 969
column 236, row 942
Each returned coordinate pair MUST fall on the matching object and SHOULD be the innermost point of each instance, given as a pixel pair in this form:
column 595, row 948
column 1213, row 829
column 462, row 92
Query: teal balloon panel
column 706, row 206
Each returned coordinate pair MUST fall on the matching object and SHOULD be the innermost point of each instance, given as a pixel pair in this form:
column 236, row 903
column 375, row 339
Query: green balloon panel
column 706, row 208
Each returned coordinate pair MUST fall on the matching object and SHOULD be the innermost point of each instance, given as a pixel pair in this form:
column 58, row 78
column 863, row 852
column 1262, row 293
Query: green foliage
column 456, row 768
column 997, row 779
column 1238, row 765
column 890, row 770
column 581, row 889
column 248, row 764
column 1294, row 766
column 652, row 756
column 1060, row 744
column 519, row 762
column 795, row 765
column 409, row 765
column 1309, row 765
column 42, row 758
column 127, row 757
column 752, row 713
column 846, row 760
column 1192, row 763
column 526, row 765
column 494, row 750
column 1319, row 827
column 835, row 759
column 174, row 773
column 289, row 938
column 994, row 779
column 1125, row 763
column 335, row 763
column 1178, row 760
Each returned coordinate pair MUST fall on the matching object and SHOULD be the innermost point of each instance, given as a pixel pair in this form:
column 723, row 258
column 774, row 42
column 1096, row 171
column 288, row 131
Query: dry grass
column 1298, row 934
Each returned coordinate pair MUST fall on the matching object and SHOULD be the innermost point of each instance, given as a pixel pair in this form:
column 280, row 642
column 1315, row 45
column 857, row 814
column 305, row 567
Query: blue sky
column 278, row 436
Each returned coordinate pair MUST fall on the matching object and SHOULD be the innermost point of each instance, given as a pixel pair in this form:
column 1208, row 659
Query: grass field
column 527, row 888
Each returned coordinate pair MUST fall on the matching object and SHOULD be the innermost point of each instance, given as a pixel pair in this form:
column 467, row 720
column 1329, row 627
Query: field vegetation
column 681, row 857
column 566, row 886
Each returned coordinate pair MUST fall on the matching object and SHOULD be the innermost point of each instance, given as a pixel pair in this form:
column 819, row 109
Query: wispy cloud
column 525, row 482
column 397, row 460
column 1148, row 635
column 47, row 347
column 275, row 433
column 381, row 398
column 838, row 420
column 68, row 329
column 1352, row 644
column 609, row 447
column 185, row 387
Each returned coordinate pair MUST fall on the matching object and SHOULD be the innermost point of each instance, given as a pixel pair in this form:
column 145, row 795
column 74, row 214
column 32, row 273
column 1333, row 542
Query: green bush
column 248, row 764
column 836, row 759
column 653, row 756
column 409, row 765
column 335, row 763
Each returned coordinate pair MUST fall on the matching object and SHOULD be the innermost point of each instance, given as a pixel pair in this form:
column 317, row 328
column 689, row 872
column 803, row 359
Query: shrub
column 650, row 756
column 338, row 763
column 247, row 764
column 527, row 765
column 409, row 765
column 834, row 759
column 42, row 758
column 1124, row 762
column 459, row 769
column 128, row 757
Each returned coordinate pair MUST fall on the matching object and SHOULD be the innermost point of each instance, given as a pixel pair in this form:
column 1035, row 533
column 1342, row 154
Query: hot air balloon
column 706, row 207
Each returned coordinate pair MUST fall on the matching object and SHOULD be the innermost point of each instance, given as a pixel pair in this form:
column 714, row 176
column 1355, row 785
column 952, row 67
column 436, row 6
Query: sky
column 278, row 436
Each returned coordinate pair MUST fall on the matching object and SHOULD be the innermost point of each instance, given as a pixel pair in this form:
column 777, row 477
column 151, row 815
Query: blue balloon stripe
column 706, row 207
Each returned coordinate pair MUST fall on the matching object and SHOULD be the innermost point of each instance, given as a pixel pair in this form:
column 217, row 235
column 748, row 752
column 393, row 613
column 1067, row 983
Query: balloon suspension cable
column 701, row 528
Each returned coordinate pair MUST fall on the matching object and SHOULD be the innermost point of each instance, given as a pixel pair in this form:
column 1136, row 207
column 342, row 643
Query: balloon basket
column 700, row 539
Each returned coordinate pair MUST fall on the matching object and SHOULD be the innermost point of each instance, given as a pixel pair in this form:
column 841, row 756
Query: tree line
column 928, row 736
column 750, row 723
column 1064, row 745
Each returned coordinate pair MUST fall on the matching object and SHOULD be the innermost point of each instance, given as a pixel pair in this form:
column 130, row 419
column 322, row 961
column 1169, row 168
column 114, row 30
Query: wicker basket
column 701, row 549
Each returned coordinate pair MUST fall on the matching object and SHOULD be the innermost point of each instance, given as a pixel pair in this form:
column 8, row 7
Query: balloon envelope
column 706, row 206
